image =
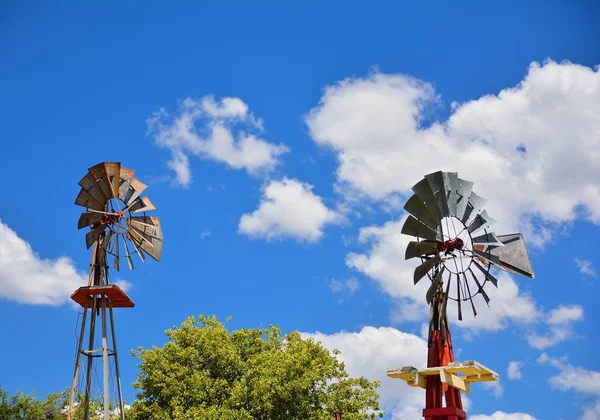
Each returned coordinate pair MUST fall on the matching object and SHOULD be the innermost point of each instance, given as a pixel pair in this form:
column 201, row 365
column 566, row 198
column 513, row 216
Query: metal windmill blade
column 116, row 212
column 452, row 237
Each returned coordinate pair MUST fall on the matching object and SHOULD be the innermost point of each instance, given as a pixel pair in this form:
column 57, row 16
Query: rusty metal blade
column 421, row 270
column 125, row 182
column 142, row 204
column 113, row 175
column 99, row 173
column 89, row 184
column 116, row 259
column 418, row 249
column 152, row 230
column 135, row 189
column 470, row 295
column 414, row 228
column 106, row 242
column 127, row 254
column 93, row 235
column 487, row 274
column 88, row 219
column 84, row 199
column 480, row 288
column 141, row 220
column 434, row 284
column 137, row 249
column 151, row 245
column 416, row 207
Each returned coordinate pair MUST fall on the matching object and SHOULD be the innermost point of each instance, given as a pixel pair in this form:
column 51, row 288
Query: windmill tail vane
column 115, row 214
column 457, row 249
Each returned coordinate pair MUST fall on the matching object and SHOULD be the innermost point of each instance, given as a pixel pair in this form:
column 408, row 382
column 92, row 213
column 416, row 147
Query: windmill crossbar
column 472, row 371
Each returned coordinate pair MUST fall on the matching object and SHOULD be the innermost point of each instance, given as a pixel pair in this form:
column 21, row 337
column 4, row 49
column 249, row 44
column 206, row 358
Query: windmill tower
column 116, row 216
column 457, row 250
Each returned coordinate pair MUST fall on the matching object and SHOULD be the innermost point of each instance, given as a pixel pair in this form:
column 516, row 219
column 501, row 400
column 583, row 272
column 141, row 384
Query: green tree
column 21, row 406
column 206, row 372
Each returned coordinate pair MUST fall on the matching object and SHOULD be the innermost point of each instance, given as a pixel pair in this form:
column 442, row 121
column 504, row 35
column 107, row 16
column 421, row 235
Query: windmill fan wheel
column 116, row 214
column 455, row 243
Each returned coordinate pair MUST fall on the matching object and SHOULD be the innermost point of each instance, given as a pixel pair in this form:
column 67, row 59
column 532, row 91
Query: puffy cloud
column 516, row 145
column 288, row 208
column 499, row 415
column 559, row 326
column 224, row 131
column 514, row 370
column 370, row 352
column 586, row 268
column 25, row 277
column 575, row 378
column 571, row 377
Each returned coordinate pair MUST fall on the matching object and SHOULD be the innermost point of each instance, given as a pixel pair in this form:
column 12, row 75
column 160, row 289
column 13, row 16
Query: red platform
column 118, row 298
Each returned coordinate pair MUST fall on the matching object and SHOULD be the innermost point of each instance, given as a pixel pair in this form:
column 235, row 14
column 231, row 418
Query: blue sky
column 296, row 131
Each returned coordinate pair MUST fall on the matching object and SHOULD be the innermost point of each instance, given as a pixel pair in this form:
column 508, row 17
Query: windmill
column 118, row 228
column 457, row 250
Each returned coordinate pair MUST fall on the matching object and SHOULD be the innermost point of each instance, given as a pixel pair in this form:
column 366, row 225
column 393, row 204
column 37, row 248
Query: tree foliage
column 206, row 372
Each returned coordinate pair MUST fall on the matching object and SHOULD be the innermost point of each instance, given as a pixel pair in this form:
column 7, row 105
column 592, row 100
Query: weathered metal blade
column 482, row 221
column 423, row 190
column 414, row 228
column 113, row 175
column 463, row 191
column 135, row 189
column 89, row 184
column 486, row 273
column 437, row 183
column 88, row 219
column 434, row 284
column 421, row 270
column 445, row 305
column 150, row 244
column 480, row 288
column 469, row 293
column 513, row 256
column 99, row 173
column 116, row 259
column 127, row 254
column 138, row 250
column 142, row 204
column 416, row 207
column 125, row 181
column 418, row 249
column 451, row 185
column 106, row 242
column 487, row 239
column 85, row 199
column 93, row 235
column 152, row 229
column 474, row 206
column 459, row 298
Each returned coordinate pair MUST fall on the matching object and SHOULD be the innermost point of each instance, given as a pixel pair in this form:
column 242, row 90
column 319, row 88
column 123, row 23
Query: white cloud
column 205, row 234
column 575, row 378
column 123, row 284
column 559, row 326
column 586, row 268
column 350, row 286
column 25, row 277
column 494, row 388
column 224, row 131
column 514, row 370
column 499, row 415
column 516, row 145
column 572, row 377
column 288, row 208
column 370, row 352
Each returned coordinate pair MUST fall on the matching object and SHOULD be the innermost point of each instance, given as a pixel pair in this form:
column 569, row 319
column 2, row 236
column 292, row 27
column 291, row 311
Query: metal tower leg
column 105, row 361
column 90, row 356
column 77, row 362
column 114, row 340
